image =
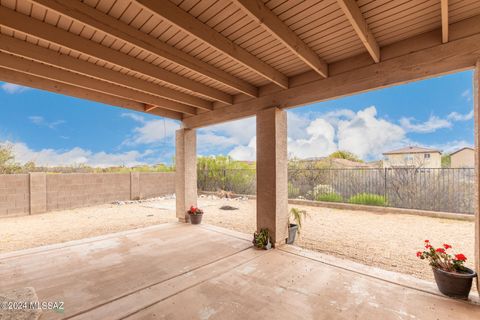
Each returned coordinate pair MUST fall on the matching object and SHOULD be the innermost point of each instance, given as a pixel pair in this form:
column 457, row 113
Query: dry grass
column 388, row 241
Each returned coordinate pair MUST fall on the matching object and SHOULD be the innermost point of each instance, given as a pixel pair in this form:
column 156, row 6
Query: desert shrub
column 320, row 190
column 329, row 197
column 368, row 199
column 293, row 192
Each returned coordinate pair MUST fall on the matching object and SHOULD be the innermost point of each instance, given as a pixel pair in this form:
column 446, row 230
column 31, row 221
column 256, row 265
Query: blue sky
column 52, row 129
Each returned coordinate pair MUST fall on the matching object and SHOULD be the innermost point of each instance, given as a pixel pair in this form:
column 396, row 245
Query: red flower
column 427, row 241
column 440, row 250
column 419, row 253
column 428, row 246
column 446, row 246
column 460, row 257
column 193, row 209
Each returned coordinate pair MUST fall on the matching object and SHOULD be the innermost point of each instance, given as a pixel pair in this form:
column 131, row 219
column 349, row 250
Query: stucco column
column 185, row 171
column 272, row 175
column 476, row 111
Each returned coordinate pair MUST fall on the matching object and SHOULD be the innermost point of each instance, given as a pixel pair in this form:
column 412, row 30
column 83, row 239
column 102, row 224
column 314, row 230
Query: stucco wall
column 463, row 159
column 416, row 160
column 23, row 194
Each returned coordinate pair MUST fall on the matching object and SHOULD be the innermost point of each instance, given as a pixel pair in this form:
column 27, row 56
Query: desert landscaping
column 387, row 241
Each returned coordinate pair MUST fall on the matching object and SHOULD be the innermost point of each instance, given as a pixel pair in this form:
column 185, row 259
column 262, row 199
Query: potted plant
column 452, row 277
column 195, row 215
column 261, row 239
column 294, row 227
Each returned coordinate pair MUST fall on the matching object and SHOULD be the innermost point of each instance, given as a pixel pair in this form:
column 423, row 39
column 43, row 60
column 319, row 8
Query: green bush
column 368, row 199
column 329, row 197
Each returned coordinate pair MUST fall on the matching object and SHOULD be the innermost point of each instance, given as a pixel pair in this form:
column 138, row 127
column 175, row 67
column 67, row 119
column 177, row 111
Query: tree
column 446, row 161
column 340, row 154
column 7, row 160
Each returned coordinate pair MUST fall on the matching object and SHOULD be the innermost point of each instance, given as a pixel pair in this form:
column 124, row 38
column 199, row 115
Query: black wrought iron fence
column 436, row 189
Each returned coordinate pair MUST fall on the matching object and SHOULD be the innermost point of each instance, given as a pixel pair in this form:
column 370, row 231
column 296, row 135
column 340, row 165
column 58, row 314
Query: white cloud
column 245, row 153
column 467, row 95
column 40, row 121
column 151, row 131
column 450, row 146
column 320, row 141
column 455, row 116
column 238, row 132
column 362, row 133
column 208, row 142
column 431, row 125
column 75, row 156
column 11, row 88
column 367, row 136
column 133, row 116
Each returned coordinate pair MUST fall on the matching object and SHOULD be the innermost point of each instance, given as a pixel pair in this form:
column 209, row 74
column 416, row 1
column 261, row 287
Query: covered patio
column 207, row 62
column 216, row 274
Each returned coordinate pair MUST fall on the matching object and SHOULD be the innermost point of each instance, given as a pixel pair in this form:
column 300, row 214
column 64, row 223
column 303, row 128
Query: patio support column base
column 185, row 171
column 272, row 175
column 476, row 110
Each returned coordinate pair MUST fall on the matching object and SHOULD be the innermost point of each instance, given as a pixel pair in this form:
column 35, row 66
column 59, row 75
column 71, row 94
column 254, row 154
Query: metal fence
column 439, row 189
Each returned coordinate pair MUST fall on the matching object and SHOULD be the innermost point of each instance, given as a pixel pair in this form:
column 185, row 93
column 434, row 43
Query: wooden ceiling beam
column 44, row 55
column 149, row 107
column 99, row 21
column 35, row 28
column 29, row 80
column 12, row 62
column 354, row 15
column 414, row 64
column 257, row 10
column 188, row 23
column 444, row 9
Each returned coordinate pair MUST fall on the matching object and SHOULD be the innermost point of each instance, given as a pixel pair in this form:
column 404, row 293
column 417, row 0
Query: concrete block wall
column 75, row 190
column 156, row 184
column 14, row 194
column 23, row 194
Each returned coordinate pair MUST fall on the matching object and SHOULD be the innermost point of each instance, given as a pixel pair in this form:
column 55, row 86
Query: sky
column 52, row 129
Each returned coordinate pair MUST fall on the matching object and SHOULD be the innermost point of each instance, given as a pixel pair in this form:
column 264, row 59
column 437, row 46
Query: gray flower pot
column 292, row 233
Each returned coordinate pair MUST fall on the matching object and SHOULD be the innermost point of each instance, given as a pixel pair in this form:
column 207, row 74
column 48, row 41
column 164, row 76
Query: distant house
column 415, row 157
column 463, row 158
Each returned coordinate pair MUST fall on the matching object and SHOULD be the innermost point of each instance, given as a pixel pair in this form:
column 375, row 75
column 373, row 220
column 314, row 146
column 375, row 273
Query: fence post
column 385, row 186
column 38, row 192
column 135, row 186
column 224, row 180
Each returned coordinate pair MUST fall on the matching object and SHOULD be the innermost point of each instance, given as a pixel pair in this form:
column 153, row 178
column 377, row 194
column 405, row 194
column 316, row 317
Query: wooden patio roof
column 209, row 61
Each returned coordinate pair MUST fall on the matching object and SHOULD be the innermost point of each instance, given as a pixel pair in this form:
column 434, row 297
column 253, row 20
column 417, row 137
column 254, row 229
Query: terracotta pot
column 454, row 284
column 292, row 233
column 196, row 218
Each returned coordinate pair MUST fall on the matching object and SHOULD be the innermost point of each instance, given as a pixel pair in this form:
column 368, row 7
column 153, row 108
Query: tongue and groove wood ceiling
column 185, row 58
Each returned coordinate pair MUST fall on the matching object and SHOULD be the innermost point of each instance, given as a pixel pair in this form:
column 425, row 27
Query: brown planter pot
column 453, row 284
column 196, row 218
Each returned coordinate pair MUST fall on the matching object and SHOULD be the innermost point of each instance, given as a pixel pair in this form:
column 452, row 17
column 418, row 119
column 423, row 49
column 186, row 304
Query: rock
column 228, row 208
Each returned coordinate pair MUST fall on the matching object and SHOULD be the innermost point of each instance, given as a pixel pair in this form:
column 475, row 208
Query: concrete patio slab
column 177, row 271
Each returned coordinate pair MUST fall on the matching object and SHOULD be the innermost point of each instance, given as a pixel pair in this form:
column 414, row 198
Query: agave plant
column 298, row 216
column 261, row 239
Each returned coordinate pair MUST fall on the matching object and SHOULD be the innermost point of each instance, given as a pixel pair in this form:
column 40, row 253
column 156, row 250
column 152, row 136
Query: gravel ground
column 387, row 241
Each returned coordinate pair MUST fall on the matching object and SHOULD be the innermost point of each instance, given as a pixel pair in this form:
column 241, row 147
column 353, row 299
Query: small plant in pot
column 452, row 277
column 195, row 214
column 295, row 223
column 261, row 239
